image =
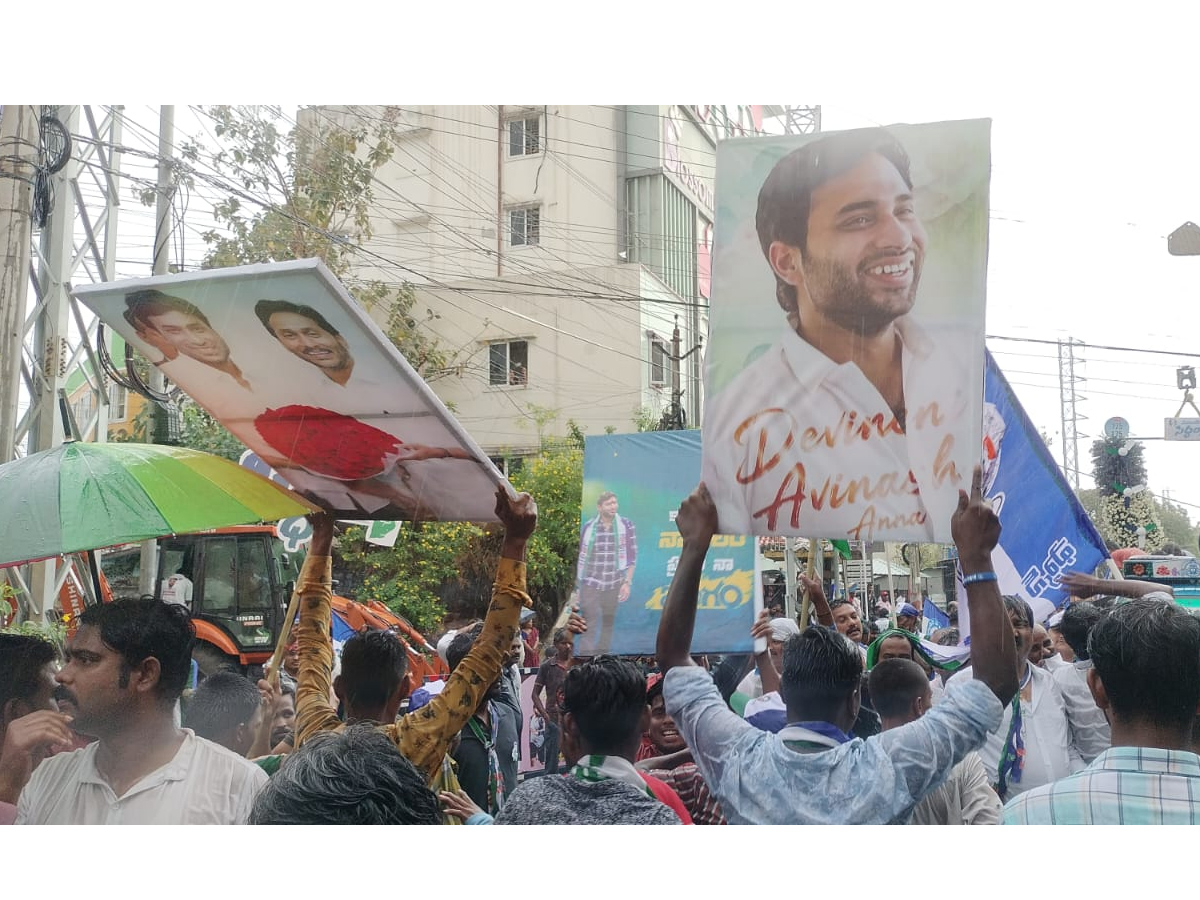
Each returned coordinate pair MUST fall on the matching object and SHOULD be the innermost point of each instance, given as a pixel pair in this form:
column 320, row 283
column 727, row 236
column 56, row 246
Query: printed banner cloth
column 282, row 356
column 844, row 372
column 1046, row 532
column 629, row 547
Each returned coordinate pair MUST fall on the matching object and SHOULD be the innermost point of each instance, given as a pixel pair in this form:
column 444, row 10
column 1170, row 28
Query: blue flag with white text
column 1046, row 532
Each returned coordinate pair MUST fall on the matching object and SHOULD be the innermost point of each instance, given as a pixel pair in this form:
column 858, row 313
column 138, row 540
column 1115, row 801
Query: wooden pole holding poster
column 814, row 547
column 887, row 558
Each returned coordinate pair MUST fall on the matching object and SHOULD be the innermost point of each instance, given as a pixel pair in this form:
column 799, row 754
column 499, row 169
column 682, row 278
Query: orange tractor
column 237, row 583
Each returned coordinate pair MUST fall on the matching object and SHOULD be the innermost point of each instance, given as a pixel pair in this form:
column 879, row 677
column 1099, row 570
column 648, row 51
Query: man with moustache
column 126, row 669
column 854, row 423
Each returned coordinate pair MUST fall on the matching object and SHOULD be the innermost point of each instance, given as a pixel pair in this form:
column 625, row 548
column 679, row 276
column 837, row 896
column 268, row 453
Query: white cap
column 782, row 629
column 443, row 644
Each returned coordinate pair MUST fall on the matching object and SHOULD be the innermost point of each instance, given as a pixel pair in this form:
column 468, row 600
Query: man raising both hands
column 813, row 771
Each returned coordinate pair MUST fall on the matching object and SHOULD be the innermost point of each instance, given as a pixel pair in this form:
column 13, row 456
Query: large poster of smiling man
column 844, row 374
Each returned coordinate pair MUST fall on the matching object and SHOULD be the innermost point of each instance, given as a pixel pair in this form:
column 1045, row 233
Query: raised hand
column 762, row 626
column 975, row 527
column 697, row 517
column 519, row 514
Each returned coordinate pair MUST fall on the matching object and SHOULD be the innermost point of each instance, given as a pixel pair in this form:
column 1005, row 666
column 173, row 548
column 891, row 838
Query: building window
column 524, row 226
column 508, row 362
column 116, row 401
column 660, row 362
column 524, row 136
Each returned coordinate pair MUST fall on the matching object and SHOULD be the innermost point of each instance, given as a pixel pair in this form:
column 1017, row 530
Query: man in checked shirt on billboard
column 607, row 557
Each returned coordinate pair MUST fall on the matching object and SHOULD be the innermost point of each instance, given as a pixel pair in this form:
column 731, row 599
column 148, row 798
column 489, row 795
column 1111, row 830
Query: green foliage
column 1177, row 526
column 554, row 477
column 430, row 560
column 644, row 419
column 1112, row 471
column 1116, row 515
column 54, row 632
column 308, row 192
column 201, row 431
column 437, row 567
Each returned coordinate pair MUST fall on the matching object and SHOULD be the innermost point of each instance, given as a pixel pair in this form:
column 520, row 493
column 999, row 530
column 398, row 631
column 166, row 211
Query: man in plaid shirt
column 607, row 557
column 1145, row 676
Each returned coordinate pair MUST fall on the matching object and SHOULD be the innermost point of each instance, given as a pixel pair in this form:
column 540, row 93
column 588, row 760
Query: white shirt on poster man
column 204, row 784
column 795, row 409
column 1050, row 753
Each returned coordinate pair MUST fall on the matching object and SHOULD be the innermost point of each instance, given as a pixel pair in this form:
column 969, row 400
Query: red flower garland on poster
column 326, row 442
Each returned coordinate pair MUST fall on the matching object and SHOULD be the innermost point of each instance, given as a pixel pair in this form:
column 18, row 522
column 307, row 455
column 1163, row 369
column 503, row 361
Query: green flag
column 842, row 547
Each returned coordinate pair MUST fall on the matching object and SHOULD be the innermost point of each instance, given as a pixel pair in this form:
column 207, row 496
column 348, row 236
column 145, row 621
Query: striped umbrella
column 80, row 496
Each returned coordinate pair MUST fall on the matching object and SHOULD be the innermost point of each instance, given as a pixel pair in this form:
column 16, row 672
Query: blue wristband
column 979, row 576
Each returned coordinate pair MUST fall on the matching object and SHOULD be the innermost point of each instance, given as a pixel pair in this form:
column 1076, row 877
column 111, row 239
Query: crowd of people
column 1085, row 718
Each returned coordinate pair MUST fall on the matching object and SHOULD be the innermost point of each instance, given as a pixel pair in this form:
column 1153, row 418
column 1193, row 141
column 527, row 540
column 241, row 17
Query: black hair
column 1170, row 548
column 606, row 495
column 729, row 672
column 843, row 601
column 141, row 305
column 1147, row 654
column 894, row 685
column 655, row 690
column 22, row 659
column 219, row 704
column 355, row 777
column 140, row 629
column 264, row 309
column 785, row 199
column 374, row 664
column 946, row 637
column 461, row 645
column 821, row 669
column 560, row 634
column 1077, row 623
column 1014, row 604
column 606, row 696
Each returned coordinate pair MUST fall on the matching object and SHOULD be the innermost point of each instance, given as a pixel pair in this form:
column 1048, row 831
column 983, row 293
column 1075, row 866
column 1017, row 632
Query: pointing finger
column 977, row 484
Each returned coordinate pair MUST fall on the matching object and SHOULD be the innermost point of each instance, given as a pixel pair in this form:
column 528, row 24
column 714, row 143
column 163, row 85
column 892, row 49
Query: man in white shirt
column 1038, row 748
column 126, row 668
column 1090, row 730
column 859, row 422
column 901, row 693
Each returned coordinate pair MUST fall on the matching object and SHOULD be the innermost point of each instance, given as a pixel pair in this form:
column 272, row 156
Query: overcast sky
column 1094, row 133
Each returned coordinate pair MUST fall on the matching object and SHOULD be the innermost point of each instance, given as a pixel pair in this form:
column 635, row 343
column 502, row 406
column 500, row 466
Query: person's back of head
column 371, row 683
column 1146, row 656
column 461, row 645
column 352, row 777
column 822, row 673
column 24, row 687
column 140, row 630
column 604, row 707
column 1076, row 625
column 225, row 709
column 900, row 691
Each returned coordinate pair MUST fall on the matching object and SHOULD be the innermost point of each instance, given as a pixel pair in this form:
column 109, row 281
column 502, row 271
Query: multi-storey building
column 554, row 250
